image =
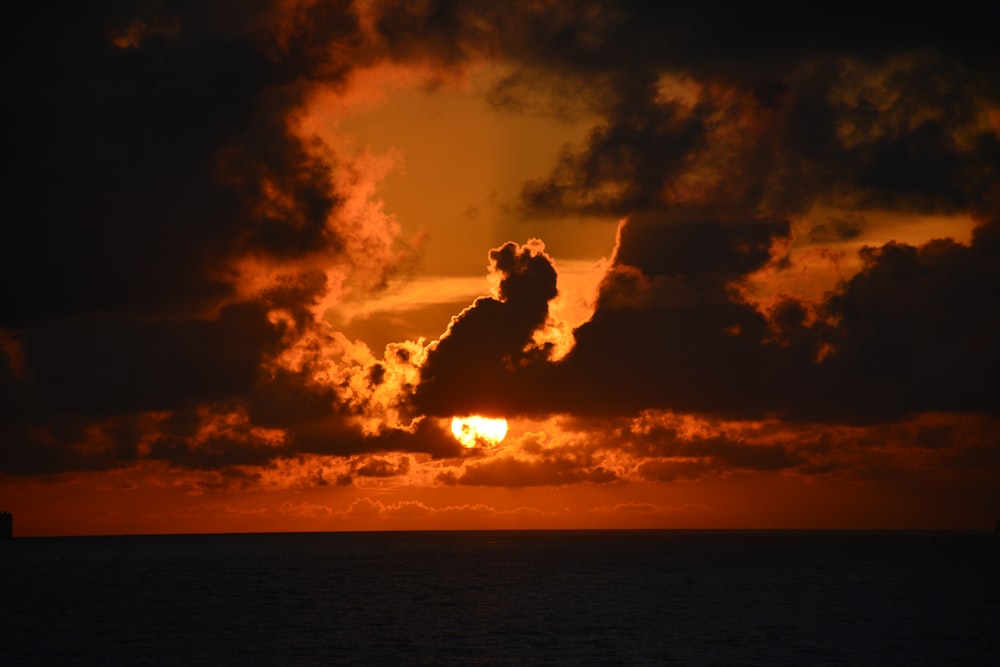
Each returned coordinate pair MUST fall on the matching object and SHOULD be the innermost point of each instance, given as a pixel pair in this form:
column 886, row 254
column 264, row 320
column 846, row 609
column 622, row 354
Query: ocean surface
column 503, row 598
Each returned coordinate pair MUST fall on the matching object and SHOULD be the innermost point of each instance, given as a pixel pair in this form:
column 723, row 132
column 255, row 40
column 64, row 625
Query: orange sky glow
column 697, row 289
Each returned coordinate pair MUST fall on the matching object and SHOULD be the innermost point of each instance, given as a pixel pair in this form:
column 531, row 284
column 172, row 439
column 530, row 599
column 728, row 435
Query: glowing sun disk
column 476, row 430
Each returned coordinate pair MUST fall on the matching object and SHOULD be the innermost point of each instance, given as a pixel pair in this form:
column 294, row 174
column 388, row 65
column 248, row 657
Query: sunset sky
column 736, row 269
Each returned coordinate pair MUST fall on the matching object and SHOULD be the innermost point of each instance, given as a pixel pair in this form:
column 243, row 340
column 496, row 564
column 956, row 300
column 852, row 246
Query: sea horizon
column 505, row 597
column 948, row 530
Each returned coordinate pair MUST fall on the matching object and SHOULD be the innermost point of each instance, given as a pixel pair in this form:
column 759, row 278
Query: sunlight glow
column 476, row 430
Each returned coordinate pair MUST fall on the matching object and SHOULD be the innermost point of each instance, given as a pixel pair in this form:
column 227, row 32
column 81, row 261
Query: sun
column 476, row 430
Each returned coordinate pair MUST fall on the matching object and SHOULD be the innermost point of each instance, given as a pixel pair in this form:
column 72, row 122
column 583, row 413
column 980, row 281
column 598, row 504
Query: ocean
column 503, row 598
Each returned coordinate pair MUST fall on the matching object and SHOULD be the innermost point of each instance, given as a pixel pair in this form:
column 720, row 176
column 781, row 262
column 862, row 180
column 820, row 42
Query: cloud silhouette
column 175, row 234
column 471, row 368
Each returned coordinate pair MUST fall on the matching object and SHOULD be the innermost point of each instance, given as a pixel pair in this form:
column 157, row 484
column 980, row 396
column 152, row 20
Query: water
column 503, row 598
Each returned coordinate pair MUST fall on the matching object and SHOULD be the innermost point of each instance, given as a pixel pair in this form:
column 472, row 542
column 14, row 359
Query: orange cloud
column 214, row 315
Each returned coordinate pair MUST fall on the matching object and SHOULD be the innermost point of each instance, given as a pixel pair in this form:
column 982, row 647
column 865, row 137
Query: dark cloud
column 534, row 93
column 65, row 443
column 904, row 132
column 837, row 228
column 625, row 162
column 141, row 167
column 154, row 167
column 223, row 440
column 716, row 132
column 915, row 331
column 739, row 42
column 707, row 251
column 241, row 448
column 470, row 369
column 550, row 471
column 741, row 450
column 912, row 332
column 667, row 333
column 122, row 365
column 145, row 137
column 723, row 454
column 377, row 467
column 374, row 466
column 156, row 175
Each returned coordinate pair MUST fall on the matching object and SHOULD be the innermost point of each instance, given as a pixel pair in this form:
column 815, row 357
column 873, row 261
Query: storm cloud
column 718, row 142
column 173, row 236
column 170, row 235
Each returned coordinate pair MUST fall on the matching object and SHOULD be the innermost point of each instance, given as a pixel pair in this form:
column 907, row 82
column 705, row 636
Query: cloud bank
column 175, row 238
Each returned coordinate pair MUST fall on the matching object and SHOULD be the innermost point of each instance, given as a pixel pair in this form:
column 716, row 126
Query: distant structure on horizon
column 6, row 525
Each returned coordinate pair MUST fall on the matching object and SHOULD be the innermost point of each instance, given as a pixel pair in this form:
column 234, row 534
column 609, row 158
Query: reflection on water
column 670, row 597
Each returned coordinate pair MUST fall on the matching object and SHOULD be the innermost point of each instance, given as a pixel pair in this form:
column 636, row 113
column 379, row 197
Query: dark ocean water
column 503, row 598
